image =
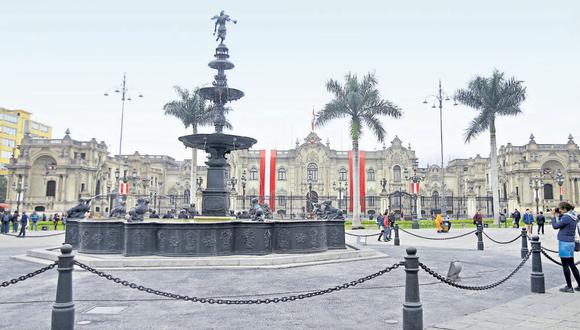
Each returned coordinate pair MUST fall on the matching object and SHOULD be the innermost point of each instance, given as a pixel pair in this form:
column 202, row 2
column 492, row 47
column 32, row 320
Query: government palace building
column 51, row 175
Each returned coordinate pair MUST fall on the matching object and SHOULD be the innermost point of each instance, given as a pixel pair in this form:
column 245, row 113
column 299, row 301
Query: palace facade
column 52, row 174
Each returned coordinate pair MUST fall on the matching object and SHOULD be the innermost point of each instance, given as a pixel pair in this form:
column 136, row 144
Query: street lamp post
column 19, row 187
column 243, row 180
column 536, row 183
column 124, row 97
column 340, row 189
column 438, row 99
column 560, row 181
column 414, row 179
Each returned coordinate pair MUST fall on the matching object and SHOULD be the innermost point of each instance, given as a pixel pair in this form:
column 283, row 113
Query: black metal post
column 397, row 241
column 291, row 206
column 479, row 238
column 412, row 309
column 524, row 251
column 63, row 310
column 537, row 276
column 537, row 201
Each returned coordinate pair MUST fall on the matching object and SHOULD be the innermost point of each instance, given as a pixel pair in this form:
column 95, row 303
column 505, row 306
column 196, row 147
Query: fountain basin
column 177, row 239
column 219, row 141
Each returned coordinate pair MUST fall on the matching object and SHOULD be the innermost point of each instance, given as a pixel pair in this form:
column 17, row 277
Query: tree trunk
column 493, row 172
column 356, row 223
column 193, row 176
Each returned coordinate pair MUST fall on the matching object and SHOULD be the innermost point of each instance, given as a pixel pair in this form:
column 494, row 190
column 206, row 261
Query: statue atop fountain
column 215, row 198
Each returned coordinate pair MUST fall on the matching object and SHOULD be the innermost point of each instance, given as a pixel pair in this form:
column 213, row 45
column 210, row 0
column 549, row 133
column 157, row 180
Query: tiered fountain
column 214, row 236
column 215, row 200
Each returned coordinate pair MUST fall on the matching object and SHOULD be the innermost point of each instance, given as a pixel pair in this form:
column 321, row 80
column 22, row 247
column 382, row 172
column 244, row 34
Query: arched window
column 312, row 172
column 548, row 191
column 342, row 174
column 51, row 188
column 253, row 174
column 98, row 188
column 397, row 174
column 371, row 175
column 281, row 174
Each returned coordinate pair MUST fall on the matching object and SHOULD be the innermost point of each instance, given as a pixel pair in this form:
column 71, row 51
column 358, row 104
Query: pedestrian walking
column 564, row 219
column 380, row 223
column 541, row 220
column 5, row 222
column 388, row 227
column 34, row 221
column 529, row 221
column 23, row 224
column 14, row 220
column 517, row 216
column 55, row 220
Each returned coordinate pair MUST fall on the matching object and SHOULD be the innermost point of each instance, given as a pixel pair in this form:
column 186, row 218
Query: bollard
column 63, row 310
column 412, row 309
column 537, row 276
column 524, row 243
column 479, row 234
column 397, row 241
column 415, row 224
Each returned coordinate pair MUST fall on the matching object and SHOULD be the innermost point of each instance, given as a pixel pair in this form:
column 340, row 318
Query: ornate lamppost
column 340, row 190
column 243, row 180
column 439, row 99
column 415, row 179
column 560, row 181
column 233, row 181
column 536, row 183
column 20, row 188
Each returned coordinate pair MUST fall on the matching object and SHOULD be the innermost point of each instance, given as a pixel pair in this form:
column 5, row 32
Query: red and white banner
column 415, row 188
column 561, row 191
column 362, row 177
column 268, row 177
column 123, row 188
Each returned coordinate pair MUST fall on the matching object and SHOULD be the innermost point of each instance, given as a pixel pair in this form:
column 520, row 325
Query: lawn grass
column 406, row 224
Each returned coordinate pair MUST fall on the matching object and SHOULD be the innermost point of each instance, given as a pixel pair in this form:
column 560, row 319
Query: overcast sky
column 57, row 58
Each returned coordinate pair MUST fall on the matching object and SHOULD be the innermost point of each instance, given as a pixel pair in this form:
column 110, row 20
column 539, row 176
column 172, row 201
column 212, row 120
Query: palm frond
column 478, row 125
column 376, row 127
column 332, row 110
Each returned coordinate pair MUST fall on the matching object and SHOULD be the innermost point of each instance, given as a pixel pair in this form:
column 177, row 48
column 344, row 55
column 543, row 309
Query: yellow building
column 13, row 125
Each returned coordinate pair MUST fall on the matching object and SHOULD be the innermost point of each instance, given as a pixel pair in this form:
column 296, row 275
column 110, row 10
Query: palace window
column 371, row 200
column 281, row 174
column 371, row 175
column 397, row 173
column 342, row 174
column 312, row 172
column 51, row 188
column 253, row 174
column 548, row 191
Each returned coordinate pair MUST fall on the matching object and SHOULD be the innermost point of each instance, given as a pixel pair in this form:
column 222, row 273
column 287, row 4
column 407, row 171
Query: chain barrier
column 238, row 301
column 27, row 276
column 474, row 287
column 355, row 235
column 554, row 260
column 549, row 250
column 437, row 238
column 500, row 242
column 36, row 236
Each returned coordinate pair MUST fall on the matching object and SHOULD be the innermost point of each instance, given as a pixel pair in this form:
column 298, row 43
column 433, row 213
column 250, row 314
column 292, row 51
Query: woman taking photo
column 566, row 223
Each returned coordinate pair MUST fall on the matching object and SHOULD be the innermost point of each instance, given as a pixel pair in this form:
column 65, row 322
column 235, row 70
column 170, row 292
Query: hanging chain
column 238, row 301
column 554, row 260
column 27, row 276
column 437, row 238
column 355, row 235
column 472, row 287
column 500, row 242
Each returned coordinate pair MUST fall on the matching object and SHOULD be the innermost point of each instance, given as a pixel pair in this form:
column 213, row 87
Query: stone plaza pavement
column 101, row 304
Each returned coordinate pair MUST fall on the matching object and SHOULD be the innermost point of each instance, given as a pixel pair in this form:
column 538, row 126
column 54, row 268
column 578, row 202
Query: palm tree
column 492, row 97
column 360, row 102
column 193, row 111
